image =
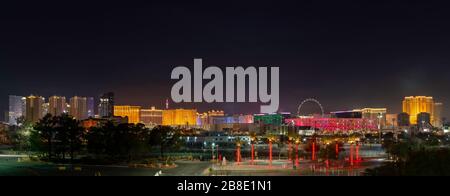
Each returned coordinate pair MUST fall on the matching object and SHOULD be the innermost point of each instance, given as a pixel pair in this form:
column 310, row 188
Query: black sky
column 346, row 55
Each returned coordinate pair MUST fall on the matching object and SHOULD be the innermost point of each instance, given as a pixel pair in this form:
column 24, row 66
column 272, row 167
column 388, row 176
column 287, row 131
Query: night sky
column 345, row 55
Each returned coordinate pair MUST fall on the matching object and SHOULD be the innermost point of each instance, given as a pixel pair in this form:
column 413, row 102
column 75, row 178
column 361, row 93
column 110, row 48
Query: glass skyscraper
column 17, row 106
column 90, row 107
column 106, row 106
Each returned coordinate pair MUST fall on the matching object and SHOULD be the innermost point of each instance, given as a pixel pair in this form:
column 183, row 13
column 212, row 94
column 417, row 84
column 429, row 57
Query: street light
column 380, row 116
column 213, row 146
column 218, row 160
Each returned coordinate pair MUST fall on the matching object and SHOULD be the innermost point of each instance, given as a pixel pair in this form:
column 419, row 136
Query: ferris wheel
column 313, row 101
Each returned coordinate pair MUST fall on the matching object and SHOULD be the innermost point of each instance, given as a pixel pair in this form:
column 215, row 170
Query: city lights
column 253, row 89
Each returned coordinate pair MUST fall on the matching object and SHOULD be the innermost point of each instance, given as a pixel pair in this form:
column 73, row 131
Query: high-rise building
column 34, row 108
column 151, row 117
column 57, row 105
column 180, row 117
column 202, row 120
column 4, row 139
column 438, row 107
column 90, row 107
column 376, row 114
column 423, row 119
column 106, row 105
column 391, row 120
column 205, row 120
column 17, row 106
column 45, row 109
column 78, row 108
column 132, row 112
column 416, row 105
column 403, row 120
column 6, row 117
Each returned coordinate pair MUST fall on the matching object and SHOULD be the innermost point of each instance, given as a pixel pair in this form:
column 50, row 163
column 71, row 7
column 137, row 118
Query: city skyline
column 165, row 104
column 82, row 108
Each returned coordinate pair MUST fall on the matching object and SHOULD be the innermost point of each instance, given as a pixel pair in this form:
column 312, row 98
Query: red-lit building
column 334, row 124
column 97, row 122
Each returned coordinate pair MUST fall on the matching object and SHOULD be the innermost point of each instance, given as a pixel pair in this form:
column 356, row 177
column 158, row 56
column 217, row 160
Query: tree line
column 425, row 154
column 57, row 138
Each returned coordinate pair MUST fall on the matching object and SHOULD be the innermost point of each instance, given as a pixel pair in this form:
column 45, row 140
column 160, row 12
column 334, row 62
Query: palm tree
column 271, row 139
column 238, row 149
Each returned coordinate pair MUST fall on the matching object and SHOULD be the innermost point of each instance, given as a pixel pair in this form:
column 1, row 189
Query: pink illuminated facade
column 334, row 124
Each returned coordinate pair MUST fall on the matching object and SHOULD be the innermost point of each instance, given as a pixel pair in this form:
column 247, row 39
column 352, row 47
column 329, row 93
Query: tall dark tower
column 106, row 106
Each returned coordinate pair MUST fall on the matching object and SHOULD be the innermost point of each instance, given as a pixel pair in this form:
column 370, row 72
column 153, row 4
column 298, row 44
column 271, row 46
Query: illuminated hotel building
column 391, row 120
column 179, row 117
column 78, row 108
column 90, row 107
column 45, row 107
column 216, row 113
column 205, row 120
column 151, row 117
column 375, row 114
column 416, row 105
column 424, row 119
column 272, row 123
column 34, row 108
column 220, row 120
column 372, row 113
column 132, row 112
column 335, row 124
column 16, row 108
column 57, row 105
column 438, row 107
column 269, row 119
column 235, row 123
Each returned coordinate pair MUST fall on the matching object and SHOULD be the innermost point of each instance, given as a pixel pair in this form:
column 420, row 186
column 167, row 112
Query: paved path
column 9, row 166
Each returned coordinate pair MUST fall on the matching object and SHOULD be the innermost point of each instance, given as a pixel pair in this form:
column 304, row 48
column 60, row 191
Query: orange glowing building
column 78, row 108
column 416, row 105
column 34, row 108
column 132, row 112
column 179, row 117
column 151, row 117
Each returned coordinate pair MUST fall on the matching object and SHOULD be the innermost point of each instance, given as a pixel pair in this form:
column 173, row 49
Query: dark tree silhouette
column 70, row 135
column 164, row 137
column 45, row 132
column 118, row 141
